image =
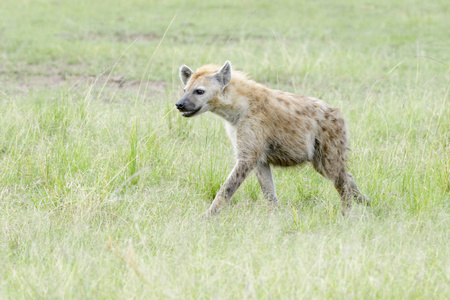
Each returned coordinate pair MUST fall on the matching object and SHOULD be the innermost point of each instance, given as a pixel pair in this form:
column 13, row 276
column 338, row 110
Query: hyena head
column 201, row 89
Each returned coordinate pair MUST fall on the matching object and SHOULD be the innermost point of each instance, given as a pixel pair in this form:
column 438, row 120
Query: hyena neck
column 231, row 117
column 232, row 104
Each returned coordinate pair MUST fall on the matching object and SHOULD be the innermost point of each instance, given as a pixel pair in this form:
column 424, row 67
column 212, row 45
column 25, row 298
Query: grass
column 102, row 182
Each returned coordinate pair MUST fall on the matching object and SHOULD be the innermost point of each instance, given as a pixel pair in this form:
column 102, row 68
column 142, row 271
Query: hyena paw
column 272, row 207
column 345, row 209
column 362, row 199
column 206, row 215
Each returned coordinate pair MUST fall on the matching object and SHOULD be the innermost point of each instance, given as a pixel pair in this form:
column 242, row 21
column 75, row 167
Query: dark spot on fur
column 308, row 111
column 339, row 184
column 298, row 112
column 228, row 191
column 283, row 101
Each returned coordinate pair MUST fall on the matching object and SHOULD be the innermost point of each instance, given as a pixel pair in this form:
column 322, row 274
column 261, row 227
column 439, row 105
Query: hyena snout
column 180, row 104
column 186, row 106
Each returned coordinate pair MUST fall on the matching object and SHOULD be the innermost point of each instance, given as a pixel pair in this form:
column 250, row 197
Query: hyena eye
column 199, row 92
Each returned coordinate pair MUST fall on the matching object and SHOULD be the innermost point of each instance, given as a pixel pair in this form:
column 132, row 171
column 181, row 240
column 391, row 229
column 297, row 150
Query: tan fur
column 272, row 127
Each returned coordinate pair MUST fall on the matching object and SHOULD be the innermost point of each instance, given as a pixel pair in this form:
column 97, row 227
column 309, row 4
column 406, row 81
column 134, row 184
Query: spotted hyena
column 269, row 127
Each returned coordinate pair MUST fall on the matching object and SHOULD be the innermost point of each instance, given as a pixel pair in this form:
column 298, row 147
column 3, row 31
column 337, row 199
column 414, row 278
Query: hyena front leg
column 236, row 177
column 265, row 179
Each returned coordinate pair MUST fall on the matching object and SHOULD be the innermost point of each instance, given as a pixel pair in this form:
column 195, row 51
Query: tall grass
column 101, row 186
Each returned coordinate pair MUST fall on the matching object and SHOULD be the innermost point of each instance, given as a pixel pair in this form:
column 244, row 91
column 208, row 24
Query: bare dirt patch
column 119, row 82
column 137, row 36
column 27, row 83
column 116, row 37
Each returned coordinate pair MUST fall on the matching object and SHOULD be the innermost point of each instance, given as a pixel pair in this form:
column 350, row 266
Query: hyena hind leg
column 335, row 171
column 342, row 185
column 357, row 195
column 347, row 189
column 333, row 167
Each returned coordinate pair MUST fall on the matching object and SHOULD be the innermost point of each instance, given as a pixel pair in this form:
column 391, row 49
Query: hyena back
column 270, row 127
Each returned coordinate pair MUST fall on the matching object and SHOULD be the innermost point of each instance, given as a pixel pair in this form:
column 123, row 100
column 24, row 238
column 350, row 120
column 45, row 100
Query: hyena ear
column 224, row 75
column 185, row 74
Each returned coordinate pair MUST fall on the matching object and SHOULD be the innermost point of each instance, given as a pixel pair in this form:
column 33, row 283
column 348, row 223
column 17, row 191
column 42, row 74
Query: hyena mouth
column 190, row 113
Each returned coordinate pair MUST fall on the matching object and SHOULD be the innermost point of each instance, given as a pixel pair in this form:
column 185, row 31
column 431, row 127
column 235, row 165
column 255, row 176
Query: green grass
column 102, row 181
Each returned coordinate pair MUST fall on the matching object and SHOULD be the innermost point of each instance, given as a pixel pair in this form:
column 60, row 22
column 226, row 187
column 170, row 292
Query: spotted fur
column 270, row 127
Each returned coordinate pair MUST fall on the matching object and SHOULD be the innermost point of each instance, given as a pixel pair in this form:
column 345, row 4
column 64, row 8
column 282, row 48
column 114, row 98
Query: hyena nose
column 180, row 104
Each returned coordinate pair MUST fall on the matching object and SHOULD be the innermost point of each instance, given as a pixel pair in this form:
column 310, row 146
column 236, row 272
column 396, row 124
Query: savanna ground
column 102, row 181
